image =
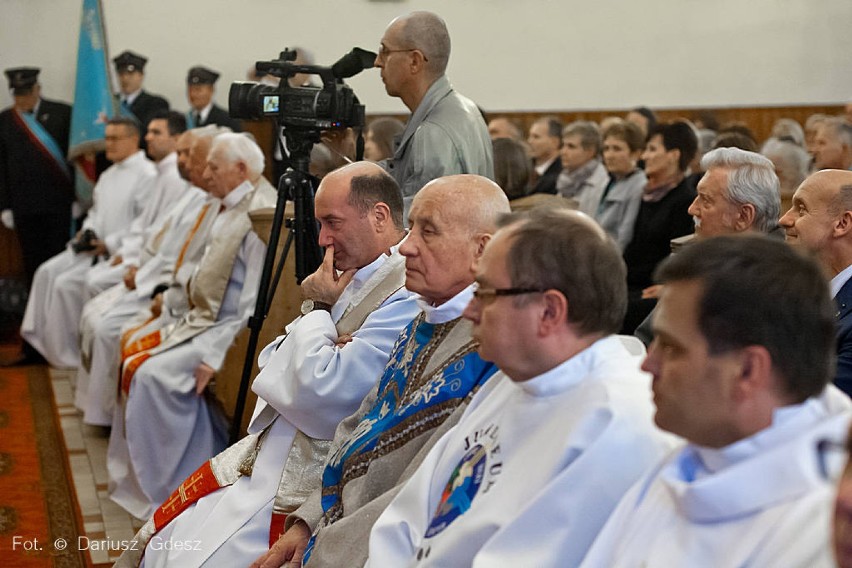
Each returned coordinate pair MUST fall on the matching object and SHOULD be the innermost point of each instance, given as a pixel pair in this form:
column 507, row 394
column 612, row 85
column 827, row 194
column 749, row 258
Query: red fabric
column 276, row 527
column 196, row 486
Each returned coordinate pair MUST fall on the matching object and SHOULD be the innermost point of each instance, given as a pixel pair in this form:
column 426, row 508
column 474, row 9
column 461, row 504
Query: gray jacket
column 446, row 135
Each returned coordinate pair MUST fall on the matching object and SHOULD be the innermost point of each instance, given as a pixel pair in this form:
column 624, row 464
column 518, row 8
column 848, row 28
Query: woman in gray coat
column 622, row 145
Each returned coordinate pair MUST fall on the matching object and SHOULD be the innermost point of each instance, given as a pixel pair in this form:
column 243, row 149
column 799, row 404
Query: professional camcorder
column 302, row 114
column 334, row 105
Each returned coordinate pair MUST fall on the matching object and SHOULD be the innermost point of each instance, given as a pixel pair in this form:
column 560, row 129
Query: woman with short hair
column 623, row 143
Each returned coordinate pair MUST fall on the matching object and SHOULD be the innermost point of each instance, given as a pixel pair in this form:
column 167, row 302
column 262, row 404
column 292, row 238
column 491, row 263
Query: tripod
column 294, row 184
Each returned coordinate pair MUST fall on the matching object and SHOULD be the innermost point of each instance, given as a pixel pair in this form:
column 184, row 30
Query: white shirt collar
column 237, row 194
column 364, row 273
column 543, row 167
column 717, row 459
column 449, row 310
column 167, row 164
column 129, row 160
column 205, row 112
column 128, row 99
column 840, row 279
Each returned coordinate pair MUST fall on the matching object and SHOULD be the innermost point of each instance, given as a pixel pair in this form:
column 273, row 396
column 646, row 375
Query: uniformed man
column 200, row 89
column 130, row 69
column 36, row 186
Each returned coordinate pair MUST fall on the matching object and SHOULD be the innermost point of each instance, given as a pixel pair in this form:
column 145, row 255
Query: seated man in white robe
column 161, row 138
column 742, row 353
column 313, row 377
column 59, row 283
column 433, row 371
column 568, row 402
column 163, row 428
column 177, row 245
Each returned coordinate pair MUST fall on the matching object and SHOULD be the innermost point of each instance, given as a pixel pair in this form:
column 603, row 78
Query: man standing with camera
column 118, row 198
column 446, row 133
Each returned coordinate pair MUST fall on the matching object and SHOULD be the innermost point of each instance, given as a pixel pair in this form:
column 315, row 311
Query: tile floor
column 103, row 520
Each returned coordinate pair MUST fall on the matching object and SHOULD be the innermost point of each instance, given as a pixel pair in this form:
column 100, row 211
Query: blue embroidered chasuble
column 410, row 401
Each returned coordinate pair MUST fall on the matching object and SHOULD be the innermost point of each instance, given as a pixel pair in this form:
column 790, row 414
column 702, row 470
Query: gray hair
column 239, row 148
column 752, row 180
column 814, row 120
column 589, row 133
column 427, row 32
column 209, row 131
column 841, row 129
column 790, row 129
column 794, row 157
column 705, row 139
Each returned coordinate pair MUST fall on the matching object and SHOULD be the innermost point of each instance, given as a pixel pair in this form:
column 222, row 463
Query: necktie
column 197, row 119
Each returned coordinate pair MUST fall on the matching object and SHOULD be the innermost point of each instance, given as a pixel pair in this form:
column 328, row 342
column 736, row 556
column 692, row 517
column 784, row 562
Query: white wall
column 507, row 55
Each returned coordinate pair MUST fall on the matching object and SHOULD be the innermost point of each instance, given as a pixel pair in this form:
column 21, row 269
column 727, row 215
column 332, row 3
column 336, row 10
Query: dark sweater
column 657, row 223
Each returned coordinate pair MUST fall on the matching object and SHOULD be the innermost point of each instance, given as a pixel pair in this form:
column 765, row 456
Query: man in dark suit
column 130, row 69
column 820, row 220
column 545, row 140
column 36, row 185
column 200, row 88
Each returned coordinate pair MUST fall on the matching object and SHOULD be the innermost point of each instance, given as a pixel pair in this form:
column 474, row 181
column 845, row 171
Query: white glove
column 77, row 210
column 8, row 219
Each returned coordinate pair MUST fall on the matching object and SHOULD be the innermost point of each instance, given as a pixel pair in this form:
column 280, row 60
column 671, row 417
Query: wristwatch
column 310, row 305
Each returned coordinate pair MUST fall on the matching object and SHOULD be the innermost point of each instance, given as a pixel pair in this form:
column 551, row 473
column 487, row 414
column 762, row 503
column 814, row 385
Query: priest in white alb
column 313, row 376
column 569, row 409
column 175, row 247
column 118, row 197
column 164, row 428
column 433, row 371
column 742, row 359
column 161, row 140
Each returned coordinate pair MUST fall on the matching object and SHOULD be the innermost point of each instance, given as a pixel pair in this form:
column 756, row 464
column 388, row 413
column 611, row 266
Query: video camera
column 334, row 105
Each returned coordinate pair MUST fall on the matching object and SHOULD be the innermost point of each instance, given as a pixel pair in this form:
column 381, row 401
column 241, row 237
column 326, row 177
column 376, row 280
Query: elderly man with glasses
column 446, row 133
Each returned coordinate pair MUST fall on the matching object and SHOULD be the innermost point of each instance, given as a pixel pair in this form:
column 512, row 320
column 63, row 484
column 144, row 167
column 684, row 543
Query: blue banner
column 94, row 103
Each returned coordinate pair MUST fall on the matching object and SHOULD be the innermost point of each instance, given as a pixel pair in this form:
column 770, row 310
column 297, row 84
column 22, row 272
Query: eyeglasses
column 116, row 138
column 488, row 295
column 832, row 456
column 384, row 52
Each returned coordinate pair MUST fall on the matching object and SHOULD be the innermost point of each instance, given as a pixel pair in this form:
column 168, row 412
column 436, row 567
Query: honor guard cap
column 129, row 61
column 22, row 79
column 199, row 75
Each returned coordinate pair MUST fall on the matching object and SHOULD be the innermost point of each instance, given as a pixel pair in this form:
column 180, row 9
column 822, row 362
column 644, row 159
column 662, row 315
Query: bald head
column 370, row 184
column 470, row 202
column 451, row 219
column 832, row 186
column 820, row 219
column 359, row 209
column 427, row 32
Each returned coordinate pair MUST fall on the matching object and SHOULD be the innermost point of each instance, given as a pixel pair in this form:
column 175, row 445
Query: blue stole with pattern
column 409, row 403
column 43, row 141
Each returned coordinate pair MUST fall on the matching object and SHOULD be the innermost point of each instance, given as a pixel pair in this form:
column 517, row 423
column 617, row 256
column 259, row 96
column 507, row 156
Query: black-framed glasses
column 384, row 52
column 832, row 456
column 488, row 295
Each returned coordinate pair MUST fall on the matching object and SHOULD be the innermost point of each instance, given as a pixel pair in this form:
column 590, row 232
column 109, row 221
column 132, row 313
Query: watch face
column 307, row 306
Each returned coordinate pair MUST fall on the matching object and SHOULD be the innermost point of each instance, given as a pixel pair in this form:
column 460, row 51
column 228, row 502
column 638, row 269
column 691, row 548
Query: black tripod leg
column 255, row 322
